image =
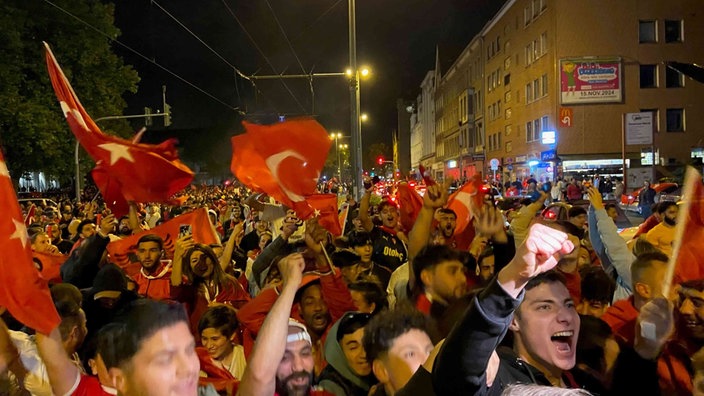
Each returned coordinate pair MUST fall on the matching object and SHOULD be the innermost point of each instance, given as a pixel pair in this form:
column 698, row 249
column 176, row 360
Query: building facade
column 572, row 71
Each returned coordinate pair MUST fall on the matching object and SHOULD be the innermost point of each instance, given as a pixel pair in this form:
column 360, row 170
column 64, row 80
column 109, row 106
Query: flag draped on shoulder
column 283, row 160
column 459, row 202
column 125, row 171
column 124, row 251
column 22, row 290
column 687, row 262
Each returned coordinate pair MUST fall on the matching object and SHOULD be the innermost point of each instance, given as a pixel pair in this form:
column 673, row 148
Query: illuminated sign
column 548, row 137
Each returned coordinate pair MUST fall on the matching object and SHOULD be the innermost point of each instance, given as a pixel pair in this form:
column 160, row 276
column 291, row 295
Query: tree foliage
column 33, row 132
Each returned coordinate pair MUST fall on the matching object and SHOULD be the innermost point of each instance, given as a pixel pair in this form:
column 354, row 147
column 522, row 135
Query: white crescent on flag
column 273, row 163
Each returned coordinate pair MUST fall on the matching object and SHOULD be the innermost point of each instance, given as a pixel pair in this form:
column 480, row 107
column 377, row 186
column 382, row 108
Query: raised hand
column 488, row 220
column 436, row 196
column 654, row 327
column 595, row 198
column 539, row 253
column 315, row 234
column 183, row 244
column 291, row 269
column 107, row 224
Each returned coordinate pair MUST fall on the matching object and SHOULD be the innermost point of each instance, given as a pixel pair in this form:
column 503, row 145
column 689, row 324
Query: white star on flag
column 3, row 169
column 117, row 151
column 316, row 213
column 20, row 232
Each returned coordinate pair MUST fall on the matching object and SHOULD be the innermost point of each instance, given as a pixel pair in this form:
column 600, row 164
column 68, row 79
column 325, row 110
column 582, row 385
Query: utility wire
column 239, row 73
column 316, row 20
column 256, row 46
column 201, row 90
column 283, row 32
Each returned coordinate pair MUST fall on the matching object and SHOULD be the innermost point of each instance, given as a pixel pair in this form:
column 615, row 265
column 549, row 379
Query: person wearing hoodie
column 107, row 299
column 348, row 372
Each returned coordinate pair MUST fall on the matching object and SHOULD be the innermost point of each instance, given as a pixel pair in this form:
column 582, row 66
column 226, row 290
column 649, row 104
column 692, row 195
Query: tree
column 33, row 131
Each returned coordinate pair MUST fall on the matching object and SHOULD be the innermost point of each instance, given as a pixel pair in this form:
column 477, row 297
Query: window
column 498, row 141
column 673, row 78
column 498, row 43
column 546, row 124
column 507, row 113
column 509, row 147
column 498, row 108
column 536, row 88
column 507, row 97
column 507, row 63
column 647, row 32
column 536, row 8
column 544, row 42
column 675, row 120
column 529, row 54
column 656, row 117
column 507, row 79
column 543, row 5
column 673, row 31
column 536, row 129
column 527, row 16
column 648, row 76
column 529, row 131
column 536, row 49
column 507, row 130
column 544, row 85
column 529, row 93
column 488, row 81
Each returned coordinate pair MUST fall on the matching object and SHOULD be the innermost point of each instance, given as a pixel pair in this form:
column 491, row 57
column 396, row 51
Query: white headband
column 299, row 335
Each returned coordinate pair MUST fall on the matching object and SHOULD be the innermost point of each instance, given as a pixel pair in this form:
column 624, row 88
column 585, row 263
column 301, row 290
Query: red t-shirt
column 87, row 385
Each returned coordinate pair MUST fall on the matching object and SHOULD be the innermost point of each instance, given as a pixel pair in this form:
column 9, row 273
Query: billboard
column 590, row 80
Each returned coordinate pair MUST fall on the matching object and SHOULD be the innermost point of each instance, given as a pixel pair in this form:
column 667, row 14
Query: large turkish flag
column 125, row 171
column 22, row 290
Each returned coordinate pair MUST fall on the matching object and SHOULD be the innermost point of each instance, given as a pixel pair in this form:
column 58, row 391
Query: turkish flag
column 22, row 290
column 459, row 202
column 410, row 203
column 125, row 171
column 342, row 217
column 283, row 160
column 687, row 262
column 124, row 252
column 50, row 265
column 31, row 214
column 325, row 209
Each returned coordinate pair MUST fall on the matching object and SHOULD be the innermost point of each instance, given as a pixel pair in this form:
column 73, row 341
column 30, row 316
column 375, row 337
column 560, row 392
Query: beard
column 283, row 387
column 669, row 221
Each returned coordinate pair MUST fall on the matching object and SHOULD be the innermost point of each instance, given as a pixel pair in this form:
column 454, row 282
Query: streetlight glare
column 364, row 117
column 348, row 72
column 365, row 72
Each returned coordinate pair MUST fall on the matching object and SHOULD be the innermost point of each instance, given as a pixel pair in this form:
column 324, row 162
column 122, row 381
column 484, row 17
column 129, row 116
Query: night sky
column 397, row 39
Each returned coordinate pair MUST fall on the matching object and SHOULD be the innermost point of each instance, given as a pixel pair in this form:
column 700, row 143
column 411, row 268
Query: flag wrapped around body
column 283, row 160
column 22, row 290
column 125, row 171
column 124, row 251
column 687, row 263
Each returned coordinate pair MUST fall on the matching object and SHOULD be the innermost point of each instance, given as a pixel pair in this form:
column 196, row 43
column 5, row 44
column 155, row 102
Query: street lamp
column 339, row 146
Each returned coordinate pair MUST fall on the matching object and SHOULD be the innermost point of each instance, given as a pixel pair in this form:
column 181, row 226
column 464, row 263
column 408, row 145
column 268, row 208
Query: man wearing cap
column 282, row 340
column 107, row 298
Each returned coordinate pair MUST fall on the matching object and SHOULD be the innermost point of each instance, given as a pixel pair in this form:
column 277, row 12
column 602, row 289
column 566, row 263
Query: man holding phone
column 154, row 278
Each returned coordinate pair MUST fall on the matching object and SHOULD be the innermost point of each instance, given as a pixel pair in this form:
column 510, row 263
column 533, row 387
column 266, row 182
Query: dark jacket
column 82, row 266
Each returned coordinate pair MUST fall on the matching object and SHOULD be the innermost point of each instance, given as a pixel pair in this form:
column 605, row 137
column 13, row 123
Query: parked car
column 560, row 211
column 40, row 202
column 629, row 202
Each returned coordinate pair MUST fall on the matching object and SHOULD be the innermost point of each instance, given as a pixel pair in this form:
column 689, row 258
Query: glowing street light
column 364, row 117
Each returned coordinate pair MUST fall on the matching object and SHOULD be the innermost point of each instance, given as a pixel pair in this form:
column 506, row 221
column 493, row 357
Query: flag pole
column 690, row 180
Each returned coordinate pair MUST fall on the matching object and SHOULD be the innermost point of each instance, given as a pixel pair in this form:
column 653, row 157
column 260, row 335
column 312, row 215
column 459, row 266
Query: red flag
column 50, row 265
column 410, row 203
column 459, row 202
column 22, row 290
column 283, row 160
column 325, row 209
column 342, row 217
column 123, row 252
column 31, row 214
column 125, row 171
column 687, row 263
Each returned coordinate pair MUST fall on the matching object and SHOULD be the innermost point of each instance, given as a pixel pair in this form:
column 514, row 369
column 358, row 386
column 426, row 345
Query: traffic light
column 167, row 115
column 148, row 118
column 380, row 160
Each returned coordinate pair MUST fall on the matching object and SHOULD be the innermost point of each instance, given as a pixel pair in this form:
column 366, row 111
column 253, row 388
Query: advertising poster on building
column 590, row 80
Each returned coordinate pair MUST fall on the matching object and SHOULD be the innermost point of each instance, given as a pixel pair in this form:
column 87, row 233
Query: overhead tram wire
column 197, row 88
column 303, row 69
column 317, row 19
column 256, row 46
column 238, row 72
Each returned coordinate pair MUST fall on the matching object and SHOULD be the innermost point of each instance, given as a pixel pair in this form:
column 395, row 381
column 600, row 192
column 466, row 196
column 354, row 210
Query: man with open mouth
column 545, row 325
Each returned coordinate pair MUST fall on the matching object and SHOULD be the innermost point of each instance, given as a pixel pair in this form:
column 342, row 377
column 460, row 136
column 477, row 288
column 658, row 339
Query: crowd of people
column 280, row 306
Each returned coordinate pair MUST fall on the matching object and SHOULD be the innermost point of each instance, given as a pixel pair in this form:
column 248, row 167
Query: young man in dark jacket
column 545, row 327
